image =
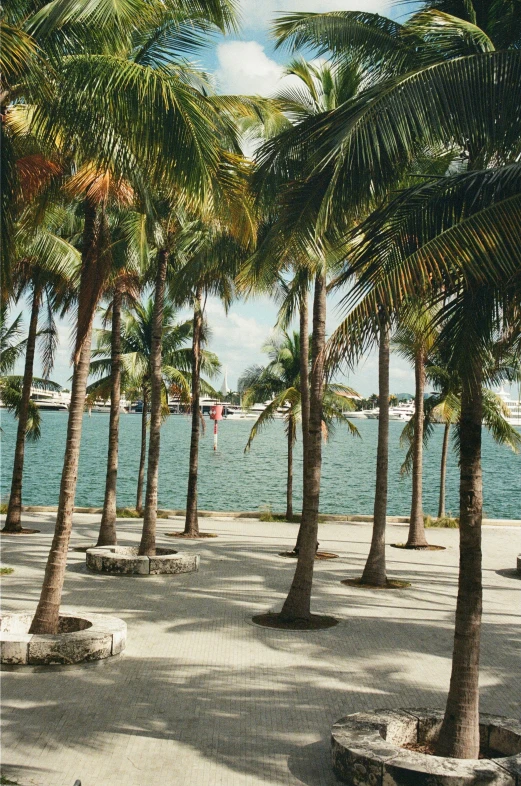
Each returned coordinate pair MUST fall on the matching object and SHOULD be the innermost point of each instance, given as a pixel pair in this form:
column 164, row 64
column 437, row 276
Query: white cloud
column 236, row 339
column 245, row 68
column 258, row 14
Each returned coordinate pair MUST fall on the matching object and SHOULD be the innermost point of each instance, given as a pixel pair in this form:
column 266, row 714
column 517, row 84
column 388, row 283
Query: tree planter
column 366, row 750
column 125, row 560
column 83, row 637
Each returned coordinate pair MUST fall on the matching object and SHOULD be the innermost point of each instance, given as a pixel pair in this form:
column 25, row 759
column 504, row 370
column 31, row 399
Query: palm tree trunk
column 375, row 568
column 13, row 521
column 107, row 533
column 304, row 386
column 289, row 483
column 147, row 547
column 191, row 520
column 443, row 470
column 459, row 734
column 298, row 603
column 416, row 538
column 46, row 618
column 142, row 455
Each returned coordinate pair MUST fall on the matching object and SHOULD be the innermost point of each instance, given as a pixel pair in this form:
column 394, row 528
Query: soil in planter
column 428, row 750
column 199, row 536
column 22, row 531
column 319, row 555
column 391, row 584
column 316, row 622
column 416, row 548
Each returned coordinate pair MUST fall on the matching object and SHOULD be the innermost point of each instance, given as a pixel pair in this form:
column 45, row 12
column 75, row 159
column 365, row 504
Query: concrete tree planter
column 366, row 750
column 83, row 637
column 125, row 560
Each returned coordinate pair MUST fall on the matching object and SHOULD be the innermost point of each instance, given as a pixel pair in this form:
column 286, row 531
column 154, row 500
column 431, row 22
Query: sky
column 247, row 63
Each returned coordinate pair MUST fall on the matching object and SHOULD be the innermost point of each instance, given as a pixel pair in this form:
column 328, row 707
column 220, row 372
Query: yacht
column 404, row 412
column 50, row 400
column 101, row 406
column 514, row 407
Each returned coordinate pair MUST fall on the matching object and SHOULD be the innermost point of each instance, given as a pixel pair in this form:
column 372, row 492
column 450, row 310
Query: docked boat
column 513, row 406
column 50, row 400
column 404, row 412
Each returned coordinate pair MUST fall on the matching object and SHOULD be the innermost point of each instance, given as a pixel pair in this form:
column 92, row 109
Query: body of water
column 229, row 479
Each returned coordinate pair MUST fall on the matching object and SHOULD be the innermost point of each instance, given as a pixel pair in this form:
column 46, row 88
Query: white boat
column 50, row 400
column 103, row 407
column 514, row 407
column 403, row 412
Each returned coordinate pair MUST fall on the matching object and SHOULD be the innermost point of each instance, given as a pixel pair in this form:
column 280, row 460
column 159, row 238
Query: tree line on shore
column 388, row 172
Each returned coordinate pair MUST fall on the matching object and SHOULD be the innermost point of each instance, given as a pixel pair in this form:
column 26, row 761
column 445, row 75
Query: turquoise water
column 232, row 480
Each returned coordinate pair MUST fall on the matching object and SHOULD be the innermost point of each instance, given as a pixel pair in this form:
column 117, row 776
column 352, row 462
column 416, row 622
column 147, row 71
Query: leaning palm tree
column 279, row 382
column 47, row 274
column 96, row 113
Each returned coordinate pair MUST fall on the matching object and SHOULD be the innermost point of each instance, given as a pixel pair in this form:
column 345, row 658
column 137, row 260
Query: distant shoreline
column 232, row 514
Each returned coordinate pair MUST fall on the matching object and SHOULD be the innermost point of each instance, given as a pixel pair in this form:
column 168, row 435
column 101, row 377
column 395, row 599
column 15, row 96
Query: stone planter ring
column 125, row 560
column 82, row 637
column 367, row 750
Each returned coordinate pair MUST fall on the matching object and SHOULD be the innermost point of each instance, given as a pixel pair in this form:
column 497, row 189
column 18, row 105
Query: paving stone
column 14, row 647
column 200, row 697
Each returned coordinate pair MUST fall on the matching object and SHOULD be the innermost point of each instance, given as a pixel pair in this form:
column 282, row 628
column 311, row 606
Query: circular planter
column 125, row 560
column 366, row 750
column 82, row 637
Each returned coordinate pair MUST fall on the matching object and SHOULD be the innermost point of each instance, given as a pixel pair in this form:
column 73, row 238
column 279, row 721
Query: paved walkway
column 202, row 697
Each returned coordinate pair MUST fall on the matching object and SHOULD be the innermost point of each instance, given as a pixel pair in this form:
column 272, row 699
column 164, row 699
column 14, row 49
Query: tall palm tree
column 414, row 340
column 470, row 259
column 375, row 571
column 107, row 125
column 323, row 88
column 214, row 245
column 279, row 381
column 135, row 352
column 47, row 274
column 445, row 406
column 434, row 65
column 128, row 246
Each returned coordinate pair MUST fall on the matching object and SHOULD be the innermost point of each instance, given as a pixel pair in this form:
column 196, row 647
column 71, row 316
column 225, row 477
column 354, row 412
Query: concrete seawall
column 232, row 514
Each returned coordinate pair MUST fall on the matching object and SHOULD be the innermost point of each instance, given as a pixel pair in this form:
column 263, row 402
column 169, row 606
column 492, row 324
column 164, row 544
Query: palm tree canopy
column 136, row 345
column 279, row 381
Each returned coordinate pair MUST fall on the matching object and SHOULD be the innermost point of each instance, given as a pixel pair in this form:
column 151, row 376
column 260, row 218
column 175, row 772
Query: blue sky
column 247, row 63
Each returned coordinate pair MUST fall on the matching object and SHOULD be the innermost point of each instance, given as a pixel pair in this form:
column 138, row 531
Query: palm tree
column 471, row 262
column 280, row 382
column 414, row 340
column 323, row 88
column 355, row 155
column 375, row 571
column 214, row 245
column 48, row 284
column 128, row 245
column 136, row 345
column 445, row 406
column 119, row 92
